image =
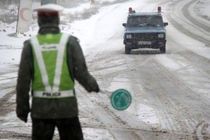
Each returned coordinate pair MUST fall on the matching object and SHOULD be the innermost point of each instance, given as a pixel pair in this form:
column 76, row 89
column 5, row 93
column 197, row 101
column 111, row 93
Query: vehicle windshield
column 145, row 21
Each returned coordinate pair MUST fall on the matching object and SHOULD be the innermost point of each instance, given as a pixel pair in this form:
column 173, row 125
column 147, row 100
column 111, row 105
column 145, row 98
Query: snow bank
column 7, row 34
column 76, row 10
column 105, row 25
column 11, row 44
column 104, row 1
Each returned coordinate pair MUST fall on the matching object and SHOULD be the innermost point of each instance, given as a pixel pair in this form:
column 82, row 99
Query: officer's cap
column 49, row 9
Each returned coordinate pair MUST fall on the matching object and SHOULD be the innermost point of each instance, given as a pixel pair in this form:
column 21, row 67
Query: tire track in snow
column 5, row 105
column 202, row 131
column 173, row 104
column 186, row 12
column 132, row 67
column 184, row 120
column 171, row 14
column 118, row 127
column 14, row 136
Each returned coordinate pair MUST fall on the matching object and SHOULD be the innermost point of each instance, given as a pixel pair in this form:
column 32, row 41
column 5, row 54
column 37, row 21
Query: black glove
column 23, row 117
column 97, row 89
column 91, row 89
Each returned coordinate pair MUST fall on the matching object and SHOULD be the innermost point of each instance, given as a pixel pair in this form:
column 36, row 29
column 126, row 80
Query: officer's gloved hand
column 93, row 89
column 97, row 89
column 23, row 116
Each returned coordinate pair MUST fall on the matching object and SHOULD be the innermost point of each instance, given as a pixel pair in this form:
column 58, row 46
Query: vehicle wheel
column 163, row 49
column 127, row 50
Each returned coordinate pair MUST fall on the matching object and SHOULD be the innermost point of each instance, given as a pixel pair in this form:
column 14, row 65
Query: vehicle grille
column 145, row 37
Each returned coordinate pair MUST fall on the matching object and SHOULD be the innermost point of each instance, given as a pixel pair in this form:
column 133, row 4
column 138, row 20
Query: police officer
column 50, row 63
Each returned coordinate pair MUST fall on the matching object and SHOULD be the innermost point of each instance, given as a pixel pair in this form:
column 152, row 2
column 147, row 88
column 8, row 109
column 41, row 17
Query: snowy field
column 171, row 92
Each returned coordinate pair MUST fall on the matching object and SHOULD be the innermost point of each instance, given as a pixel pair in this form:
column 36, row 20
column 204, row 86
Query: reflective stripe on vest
column 51, row 91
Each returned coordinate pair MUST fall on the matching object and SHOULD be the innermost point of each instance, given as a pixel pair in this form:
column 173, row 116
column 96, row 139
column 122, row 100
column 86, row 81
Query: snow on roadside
column 103, row 26
column 102, row 1
column 79, row 9
column 11, row 45
column 7, row 34
column 96, row 29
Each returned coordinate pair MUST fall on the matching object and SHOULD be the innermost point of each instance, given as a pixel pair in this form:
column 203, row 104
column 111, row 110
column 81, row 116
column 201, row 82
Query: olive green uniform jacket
column 51, row 108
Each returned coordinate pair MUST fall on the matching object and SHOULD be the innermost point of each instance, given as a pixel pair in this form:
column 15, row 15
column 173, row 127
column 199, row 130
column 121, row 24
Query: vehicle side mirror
column 165, row 23
column 124, row 24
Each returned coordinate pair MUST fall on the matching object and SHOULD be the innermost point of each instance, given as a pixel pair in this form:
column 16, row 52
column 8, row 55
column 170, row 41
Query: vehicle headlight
column 160, row 35
column 128, row 36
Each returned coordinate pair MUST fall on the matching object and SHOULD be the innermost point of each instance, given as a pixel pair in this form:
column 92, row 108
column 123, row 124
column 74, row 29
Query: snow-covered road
column 171, row 92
